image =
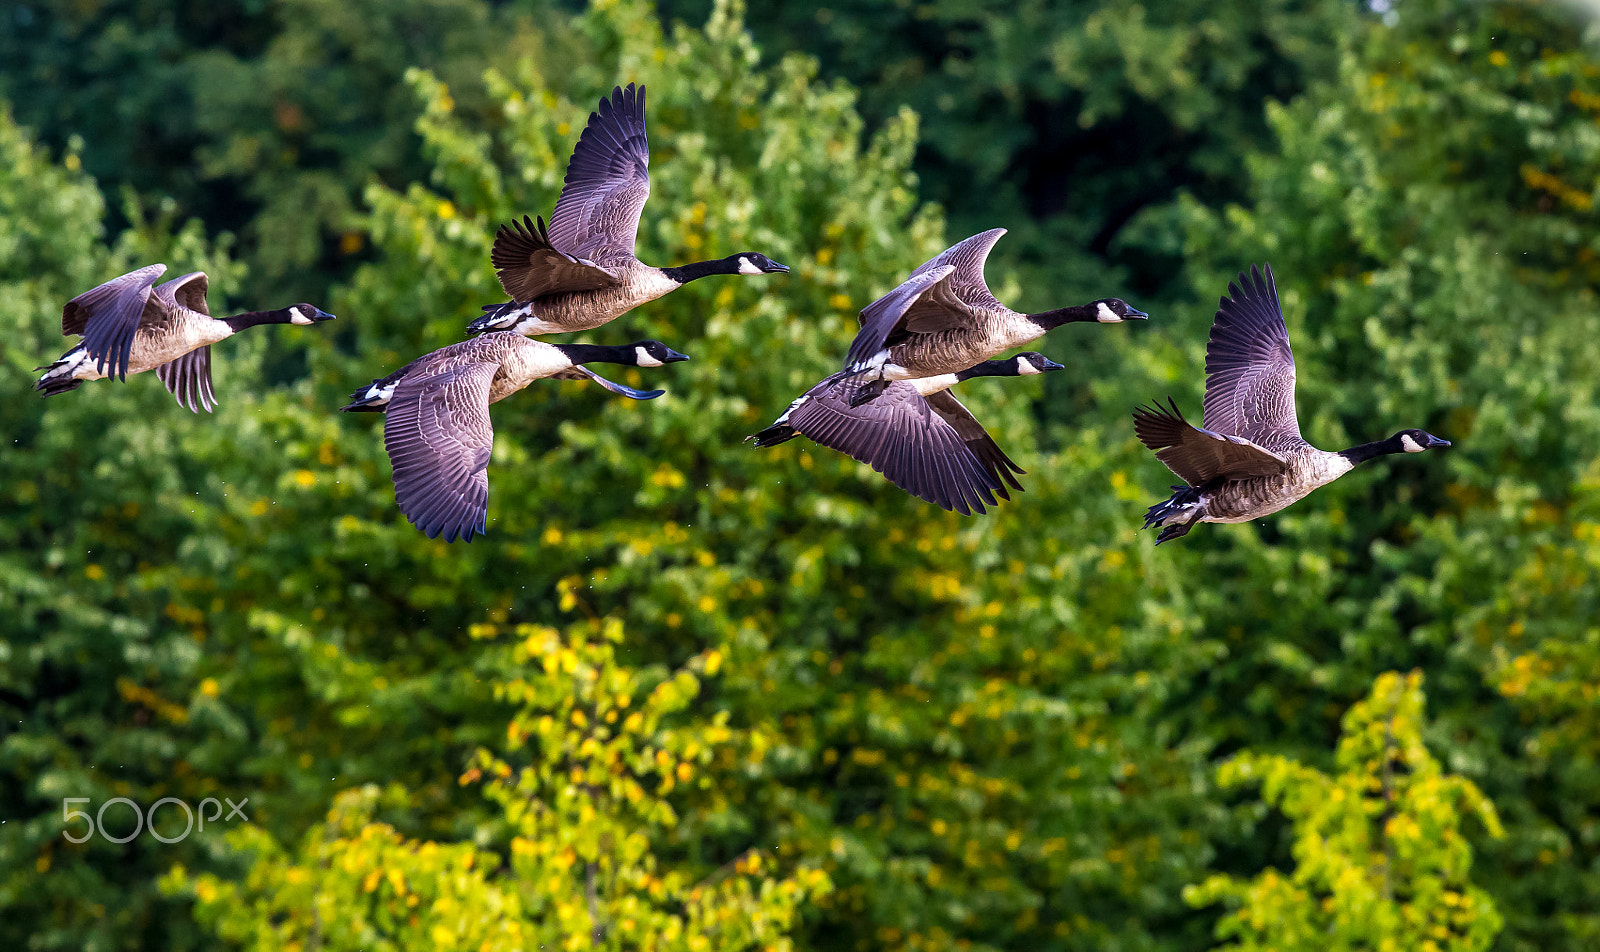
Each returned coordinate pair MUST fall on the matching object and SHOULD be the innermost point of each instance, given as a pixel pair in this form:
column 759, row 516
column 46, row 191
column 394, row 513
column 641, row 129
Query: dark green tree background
column 886, row 726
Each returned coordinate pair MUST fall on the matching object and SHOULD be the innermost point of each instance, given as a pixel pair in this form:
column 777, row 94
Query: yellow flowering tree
column 1381, row 862
column 579, row 853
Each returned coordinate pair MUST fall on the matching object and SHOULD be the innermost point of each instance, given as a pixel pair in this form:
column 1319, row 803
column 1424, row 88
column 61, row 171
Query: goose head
column 653, row 353
column 304, row 314
column 1032, row 362
column 1116, row 310
column 1417, row 441
column 752, row 262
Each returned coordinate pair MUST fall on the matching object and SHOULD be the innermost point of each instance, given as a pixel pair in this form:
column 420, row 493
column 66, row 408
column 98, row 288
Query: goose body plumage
column 943, row 319
column 915, row 432
column 437, row 429
column 1248, row 460
column 130, row 325
column 581, row 272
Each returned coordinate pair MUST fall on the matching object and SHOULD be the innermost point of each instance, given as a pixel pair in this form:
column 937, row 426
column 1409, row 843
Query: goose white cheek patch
column 1410, row 445
column 1106, row 315
column 643, row 359
column 747, row 267
column 1024, row 368
column 296, row 316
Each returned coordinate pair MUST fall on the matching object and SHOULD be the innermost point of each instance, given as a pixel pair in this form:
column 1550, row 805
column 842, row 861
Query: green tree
column 264, row 119
column 948, row 747
column 1067, row 122
column 952, row 695
column 1429, row 215
column 82, row 638
column 992, row 732
column 1380, row 861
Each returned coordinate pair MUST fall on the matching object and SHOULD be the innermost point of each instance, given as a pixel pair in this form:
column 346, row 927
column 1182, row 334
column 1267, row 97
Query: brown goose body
column 949, row 351
column 1251, row 497
column 561, row 312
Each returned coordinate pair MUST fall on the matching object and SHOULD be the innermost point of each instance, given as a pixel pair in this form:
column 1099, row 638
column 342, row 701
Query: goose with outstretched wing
column 943, row 319
column 438, row 433
column 581, row 272
column 130, row 325
column 915, row 432
column 1248, row 459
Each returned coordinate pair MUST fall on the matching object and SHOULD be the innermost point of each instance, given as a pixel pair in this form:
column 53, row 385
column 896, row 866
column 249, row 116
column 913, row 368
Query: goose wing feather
column 607, row 182
column 899, row 435
column 108, row 315
column 530, row 267
column 927, row 307
column 880, row 318
column 958, row 299
column 1250, row 368
column 1199, row 456
column 439, row 438
column 999, row 466
column 186, row 291
column 188, row 379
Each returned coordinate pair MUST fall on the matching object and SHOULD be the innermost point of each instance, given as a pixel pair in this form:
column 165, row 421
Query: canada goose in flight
column 1249, row 460
column 130, row 324
column 943, row 318
column 437, row 430
column 581, row 273
column 916, row 433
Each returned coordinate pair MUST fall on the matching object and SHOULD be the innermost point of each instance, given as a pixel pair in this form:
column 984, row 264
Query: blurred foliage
column 1380, row 860
column 1068, row 121
column 998, row 732
column 266, row 117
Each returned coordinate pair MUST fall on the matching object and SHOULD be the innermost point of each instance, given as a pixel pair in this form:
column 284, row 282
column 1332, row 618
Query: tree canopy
column 690, row 694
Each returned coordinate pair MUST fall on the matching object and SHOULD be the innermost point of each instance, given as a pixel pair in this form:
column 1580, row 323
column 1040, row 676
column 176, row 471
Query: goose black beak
column 775, row 267
column 1134, row 314
column 673, row 356
column 322, row 315
column 1049, row 365
column 1435, row 441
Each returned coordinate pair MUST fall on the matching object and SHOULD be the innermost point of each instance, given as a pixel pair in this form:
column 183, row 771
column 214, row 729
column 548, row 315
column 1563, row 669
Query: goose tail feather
column 1176, row 515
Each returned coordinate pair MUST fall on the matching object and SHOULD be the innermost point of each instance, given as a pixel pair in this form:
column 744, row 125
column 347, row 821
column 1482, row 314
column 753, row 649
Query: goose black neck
column 1077, row 313
column 599, row 353
column 989, row 368
column 1366, row 451
column 254, row 318
column 683, row 274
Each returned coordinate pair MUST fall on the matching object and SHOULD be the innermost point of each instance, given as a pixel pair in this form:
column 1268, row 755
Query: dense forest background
column 690, row 695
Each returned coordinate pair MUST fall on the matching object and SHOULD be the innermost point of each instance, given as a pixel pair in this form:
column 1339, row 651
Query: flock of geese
column 890, row 405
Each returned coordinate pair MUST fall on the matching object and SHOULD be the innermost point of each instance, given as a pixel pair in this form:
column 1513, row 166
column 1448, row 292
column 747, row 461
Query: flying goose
column 916, row 433
column 130, row 324
column 581, row 272
column 438, row 432
column 1249, row 460
column 943, row 319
